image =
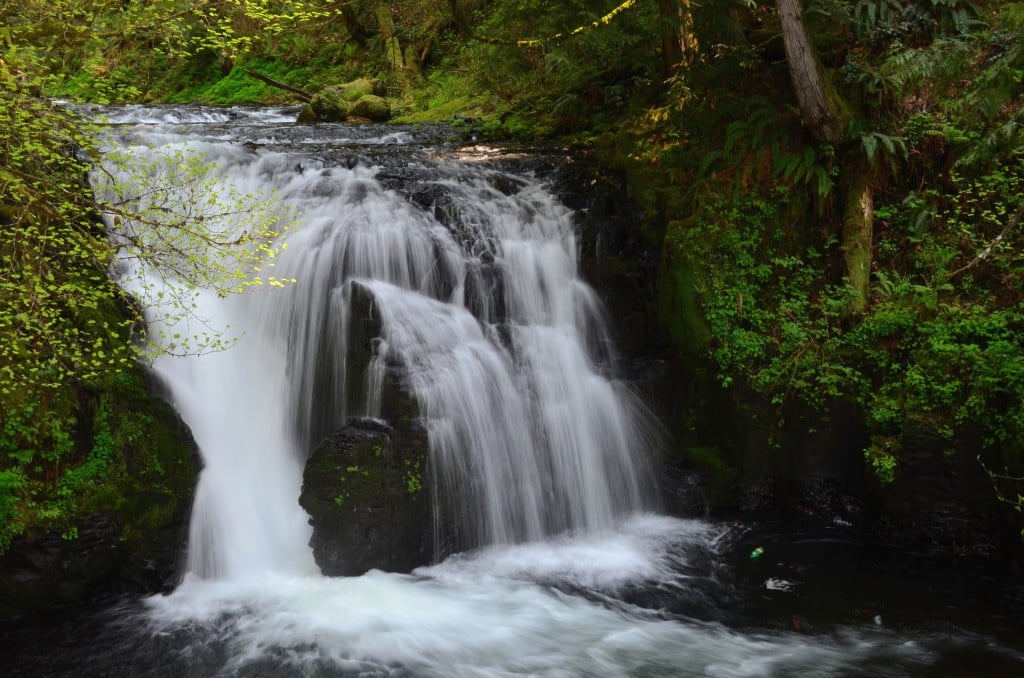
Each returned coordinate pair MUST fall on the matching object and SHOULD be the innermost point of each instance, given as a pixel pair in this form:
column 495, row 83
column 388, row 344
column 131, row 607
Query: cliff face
column 732, row 448
column 125, row 528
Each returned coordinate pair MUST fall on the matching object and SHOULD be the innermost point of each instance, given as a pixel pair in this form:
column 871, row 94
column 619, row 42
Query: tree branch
column 984, row 254
column 302, row 95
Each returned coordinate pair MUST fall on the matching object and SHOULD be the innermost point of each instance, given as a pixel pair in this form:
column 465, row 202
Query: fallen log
column 304, row 96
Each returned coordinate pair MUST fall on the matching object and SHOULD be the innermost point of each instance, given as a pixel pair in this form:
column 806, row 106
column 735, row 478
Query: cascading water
column 470, row 276
column 528, row 436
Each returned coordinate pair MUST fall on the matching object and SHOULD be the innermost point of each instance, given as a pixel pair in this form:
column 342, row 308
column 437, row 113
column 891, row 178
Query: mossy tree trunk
column 858, row 227
column 392, row 48
column 827, row 118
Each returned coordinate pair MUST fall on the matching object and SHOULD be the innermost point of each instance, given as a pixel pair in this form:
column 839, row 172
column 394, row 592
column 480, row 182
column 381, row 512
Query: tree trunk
column 671, row 45
column 687, row 38
column 461, row 24
column 392, row 48
column 356, row 31
column 677, row 38
column 823, row 114
column 300, row 94
column 858, row 225
column 819, row 105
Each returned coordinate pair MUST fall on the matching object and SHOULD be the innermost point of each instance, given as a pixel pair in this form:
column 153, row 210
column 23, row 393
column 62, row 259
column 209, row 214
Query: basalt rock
column 367, row 499
column 127, row 537
column 938, row 501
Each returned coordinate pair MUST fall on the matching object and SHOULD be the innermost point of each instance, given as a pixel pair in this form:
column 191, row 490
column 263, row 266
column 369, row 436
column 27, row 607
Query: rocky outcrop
column 938, row 499
column 365, row 491
column 126, row 533
column 728, row 451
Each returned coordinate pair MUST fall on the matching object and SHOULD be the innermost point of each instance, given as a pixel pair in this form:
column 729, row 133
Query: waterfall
column 480, row 306
column 419, row 268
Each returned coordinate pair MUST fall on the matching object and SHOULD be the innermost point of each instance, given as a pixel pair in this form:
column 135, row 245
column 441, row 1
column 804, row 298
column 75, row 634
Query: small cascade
column 527, row 439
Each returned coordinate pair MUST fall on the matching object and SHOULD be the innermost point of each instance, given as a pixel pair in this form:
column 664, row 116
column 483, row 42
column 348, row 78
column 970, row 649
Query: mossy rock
column 121, row 527
column 358, row 88
column 365, row 492
column 679, row 310
column 371, row 107
column 329, row 105
column 359, row 99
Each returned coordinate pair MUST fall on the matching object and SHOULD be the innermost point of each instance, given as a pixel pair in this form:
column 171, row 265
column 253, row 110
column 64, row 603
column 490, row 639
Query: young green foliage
column 178, row 227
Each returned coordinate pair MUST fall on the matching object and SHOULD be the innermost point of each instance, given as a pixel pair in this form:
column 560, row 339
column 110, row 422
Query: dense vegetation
column 843, row 226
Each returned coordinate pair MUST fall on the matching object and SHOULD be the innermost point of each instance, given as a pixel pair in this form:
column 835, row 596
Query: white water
column 543, row 450
column 487, row 615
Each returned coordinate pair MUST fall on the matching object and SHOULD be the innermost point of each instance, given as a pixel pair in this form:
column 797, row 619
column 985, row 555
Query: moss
column 159, row 463
column 713, row 463
column 106, row 447
column 678, row 307
column 359, row 88
column 371, row 107
column 146, row 480
column 329, row 106
column 457, row 108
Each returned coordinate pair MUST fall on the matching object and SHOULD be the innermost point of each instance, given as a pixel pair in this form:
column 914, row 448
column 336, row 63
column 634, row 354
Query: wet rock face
column 42, row 572
column 365, row 491
column 939, row 501
column 132, row 545
column 615, row 258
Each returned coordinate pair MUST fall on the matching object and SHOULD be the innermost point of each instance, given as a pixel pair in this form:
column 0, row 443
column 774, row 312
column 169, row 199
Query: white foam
column 495, row 613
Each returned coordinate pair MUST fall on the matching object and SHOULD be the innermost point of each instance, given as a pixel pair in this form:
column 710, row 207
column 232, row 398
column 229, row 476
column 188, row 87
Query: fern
column 949, row 17
column 945, row 60
column 997, row 87
column 809, row 168
column 893, row 147
column 868, row 15
column 762, row 126
column 1001, row 142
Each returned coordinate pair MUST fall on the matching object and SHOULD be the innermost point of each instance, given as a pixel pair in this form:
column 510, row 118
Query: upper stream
column 566, row 567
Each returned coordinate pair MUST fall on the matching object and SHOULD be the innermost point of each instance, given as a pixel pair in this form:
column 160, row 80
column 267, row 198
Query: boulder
column 372, row 108
column 358, row 88
column 306, row 116
column 329, row 106
column 365, row 491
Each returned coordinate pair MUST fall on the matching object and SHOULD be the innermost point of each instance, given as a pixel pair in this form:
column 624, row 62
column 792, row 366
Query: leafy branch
column 1016, row 503
column 987, row 251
